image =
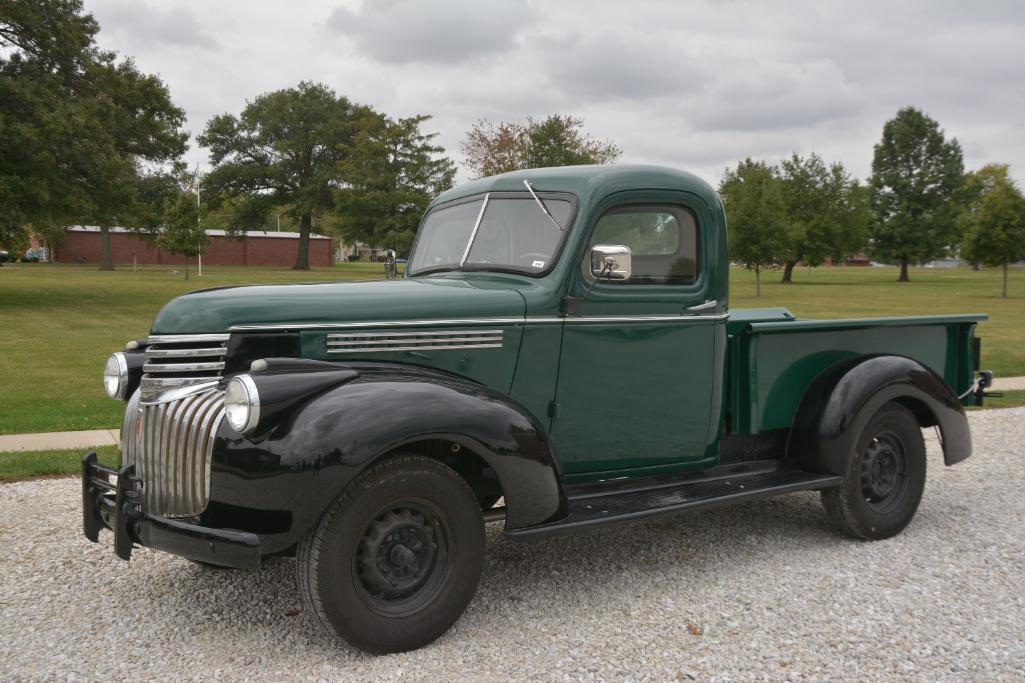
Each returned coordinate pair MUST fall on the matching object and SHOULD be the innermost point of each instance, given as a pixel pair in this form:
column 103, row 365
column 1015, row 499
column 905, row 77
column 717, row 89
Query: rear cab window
column 662, row 238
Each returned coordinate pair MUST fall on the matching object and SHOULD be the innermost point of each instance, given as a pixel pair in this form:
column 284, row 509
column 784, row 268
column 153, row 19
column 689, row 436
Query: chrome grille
column 171, row 445
column 370, row 342
column 174, row 361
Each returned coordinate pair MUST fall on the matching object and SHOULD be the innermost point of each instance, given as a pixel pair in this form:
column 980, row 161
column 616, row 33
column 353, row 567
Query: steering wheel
column 531, row 258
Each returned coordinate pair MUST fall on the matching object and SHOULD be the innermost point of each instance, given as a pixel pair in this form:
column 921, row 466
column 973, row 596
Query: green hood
column 216, row 310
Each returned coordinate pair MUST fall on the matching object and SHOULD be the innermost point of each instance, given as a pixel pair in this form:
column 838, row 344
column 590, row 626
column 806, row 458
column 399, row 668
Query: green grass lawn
column 1010, row 399
column 861, row 292
column 29, row 464
column 58, row 323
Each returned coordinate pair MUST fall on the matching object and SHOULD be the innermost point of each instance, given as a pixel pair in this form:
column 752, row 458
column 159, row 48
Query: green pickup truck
column 559, row 355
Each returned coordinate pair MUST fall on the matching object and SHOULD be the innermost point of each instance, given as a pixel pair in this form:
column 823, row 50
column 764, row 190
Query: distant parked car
column 4, row 256
column 30, row 256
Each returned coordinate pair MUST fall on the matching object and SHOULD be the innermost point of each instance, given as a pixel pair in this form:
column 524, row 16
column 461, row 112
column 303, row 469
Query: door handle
column 709, row 305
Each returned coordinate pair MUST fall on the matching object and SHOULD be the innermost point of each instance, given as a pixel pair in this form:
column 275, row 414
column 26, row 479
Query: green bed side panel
column 771, row 363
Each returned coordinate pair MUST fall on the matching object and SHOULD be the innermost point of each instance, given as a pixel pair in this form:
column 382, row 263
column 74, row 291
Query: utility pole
column 199, row 216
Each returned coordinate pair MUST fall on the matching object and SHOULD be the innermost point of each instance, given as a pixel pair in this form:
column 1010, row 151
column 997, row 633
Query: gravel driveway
column 760, row 591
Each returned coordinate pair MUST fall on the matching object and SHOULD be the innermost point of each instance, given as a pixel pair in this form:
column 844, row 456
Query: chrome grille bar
column 177, row 361
column 182, row 367
column 186, row 353
column 173, row 450
column 186, row 338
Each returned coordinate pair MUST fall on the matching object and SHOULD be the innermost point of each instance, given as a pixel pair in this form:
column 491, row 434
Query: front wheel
column 883, row 483
column 396, row 559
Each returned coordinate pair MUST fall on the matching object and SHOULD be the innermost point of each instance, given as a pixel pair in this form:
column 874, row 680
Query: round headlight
column 242, row 404
column 115, row 375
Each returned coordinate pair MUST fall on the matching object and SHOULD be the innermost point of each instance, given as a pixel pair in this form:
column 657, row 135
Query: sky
column 689, row 84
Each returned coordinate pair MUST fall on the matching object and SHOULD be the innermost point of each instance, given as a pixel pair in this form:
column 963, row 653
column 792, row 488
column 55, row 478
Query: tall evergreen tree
column 392, row 173
column 916, row 177
column 755, row 216
column 284, row 149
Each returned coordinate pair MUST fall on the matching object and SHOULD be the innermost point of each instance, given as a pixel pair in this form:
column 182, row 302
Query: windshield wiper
column 541, row 203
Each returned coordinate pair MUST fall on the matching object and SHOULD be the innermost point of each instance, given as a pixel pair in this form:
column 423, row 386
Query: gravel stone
column 762, row 591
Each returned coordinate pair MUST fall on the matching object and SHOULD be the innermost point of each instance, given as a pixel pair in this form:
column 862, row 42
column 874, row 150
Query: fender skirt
column 841, row 400
column 279, row 480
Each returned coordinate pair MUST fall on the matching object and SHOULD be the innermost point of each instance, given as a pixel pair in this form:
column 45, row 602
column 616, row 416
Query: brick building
column 258, row 248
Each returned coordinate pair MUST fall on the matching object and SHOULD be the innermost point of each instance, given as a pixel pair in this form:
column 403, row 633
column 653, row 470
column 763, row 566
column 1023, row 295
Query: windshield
column 513, row 233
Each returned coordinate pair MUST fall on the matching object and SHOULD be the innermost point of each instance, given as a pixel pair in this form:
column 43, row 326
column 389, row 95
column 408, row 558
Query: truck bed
column 772, row 356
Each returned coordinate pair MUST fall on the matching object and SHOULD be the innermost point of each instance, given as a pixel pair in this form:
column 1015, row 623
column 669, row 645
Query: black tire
column 396, row 559
column 884, row 480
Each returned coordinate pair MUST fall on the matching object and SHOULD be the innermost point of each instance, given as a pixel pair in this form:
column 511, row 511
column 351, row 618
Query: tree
column 553, row 141
column 755, row 215
column 491, row 149
column 76, row 123
column 916, row 177
column 284, row 149
column 826, row 215
column 994, row 220
column 392, row 173
column 182, row 233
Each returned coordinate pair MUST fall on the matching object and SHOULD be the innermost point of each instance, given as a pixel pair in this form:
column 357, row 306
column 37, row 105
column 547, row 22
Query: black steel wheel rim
column 884, row 471
column 402, row 557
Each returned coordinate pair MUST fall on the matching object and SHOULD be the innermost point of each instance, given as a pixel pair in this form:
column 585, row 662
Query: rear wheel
column 883, row 483
column 396, row 559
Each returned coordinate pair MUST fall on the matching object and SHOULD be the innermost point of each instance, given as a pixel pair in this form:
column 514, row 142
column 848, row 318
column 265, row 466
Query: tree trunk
column 976, row 266
column 788, row 272
column 105, row 261
column 302, row 258
column 903, row 270
column 1003, row 295
column 186, row 267
column 758, row 282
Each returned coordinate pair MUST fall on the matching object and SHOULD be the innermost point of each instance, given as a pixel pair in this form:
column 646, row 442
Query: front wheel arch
column 462, row 456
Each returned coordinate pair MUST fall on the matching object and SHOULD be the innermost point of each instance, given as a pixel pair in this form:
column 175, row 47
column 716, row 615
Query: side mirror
column 611, row 261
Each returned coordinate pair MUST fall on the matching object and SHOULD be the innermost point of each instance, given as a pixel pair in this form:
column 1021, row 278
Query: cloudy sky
column 696, row 85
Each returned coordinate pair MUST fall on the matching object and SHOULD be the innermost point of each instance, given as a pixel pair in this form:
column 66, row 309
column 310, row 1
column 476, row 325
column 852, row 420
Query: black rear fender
column 839, row 402
column 300, row 463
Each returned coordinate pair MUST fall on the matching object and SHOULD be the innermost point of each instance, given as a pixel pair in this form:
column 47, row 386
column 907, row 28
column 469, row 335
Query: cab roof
column 587, row 182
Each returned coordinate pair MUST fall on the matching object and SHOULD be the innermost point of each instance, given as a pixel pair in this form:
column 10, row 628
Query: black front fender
column 840, row 401
column 280, row 480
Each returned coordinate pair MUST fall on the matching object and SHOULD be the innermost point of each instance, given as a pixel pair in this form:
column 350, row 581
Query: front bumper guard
column 116, row 507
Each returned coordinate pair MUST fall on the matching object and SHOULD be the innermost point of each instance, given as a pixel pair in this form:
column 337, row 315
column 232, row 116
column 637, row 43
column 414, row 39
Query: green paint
column 625, row 396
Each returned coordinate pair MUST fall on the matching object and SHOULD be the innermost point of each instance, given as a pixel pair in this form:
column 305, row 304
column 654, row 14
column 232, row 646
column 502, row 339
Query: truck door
column 638, row 362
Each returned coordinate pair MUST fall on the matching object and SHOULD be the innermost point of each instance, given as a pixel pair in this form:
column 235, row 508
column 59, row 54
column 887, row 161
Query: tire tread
column 310, row 547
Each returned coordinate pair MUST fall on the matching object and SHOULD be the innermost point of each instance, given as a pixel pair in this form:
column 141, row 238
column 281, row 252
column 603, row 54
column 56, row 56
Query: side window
column 663, row 239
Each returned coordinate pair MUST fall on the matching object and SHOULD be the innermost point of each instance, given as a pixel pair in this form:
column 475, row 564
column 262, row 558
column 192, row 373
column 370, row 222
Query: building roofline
column 212, row 232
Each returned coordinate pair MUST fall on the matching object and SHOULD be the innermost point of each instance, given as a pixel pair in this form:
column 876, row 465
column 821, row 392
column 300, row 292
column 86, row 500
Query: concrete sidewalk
column 48, row 441
column 1008, row 383
column 109, row 437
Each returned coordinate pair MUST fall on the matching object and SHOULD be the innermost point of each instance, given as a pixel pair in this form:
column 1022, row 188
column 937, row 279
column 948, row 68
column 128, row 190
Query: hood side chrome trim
column 477, row 321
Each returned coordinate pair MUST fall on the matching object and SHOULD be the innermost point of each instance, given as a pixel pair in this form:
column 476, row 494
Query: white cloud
column 147, row 26
column 435, row 31
column 696, row 85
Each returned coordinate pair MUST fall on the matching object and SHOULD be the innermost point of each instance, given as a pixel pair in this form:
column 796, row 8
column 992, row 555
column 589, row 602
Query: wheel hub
column 397, row 554
column 881, row 470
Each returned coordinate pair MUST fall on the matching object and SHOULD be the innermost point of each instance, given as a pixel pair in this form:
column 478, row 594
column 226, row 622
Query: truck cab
column 561, row 342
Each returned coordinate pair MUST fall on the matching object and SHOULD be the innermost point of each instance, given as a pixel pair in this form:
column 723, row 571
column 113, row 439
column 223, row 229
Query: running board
column 591, row 509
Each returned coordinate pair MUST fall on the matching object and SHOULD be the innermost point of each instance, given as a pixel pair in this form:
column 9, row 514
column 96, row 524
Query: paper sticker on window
column 538, row 264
